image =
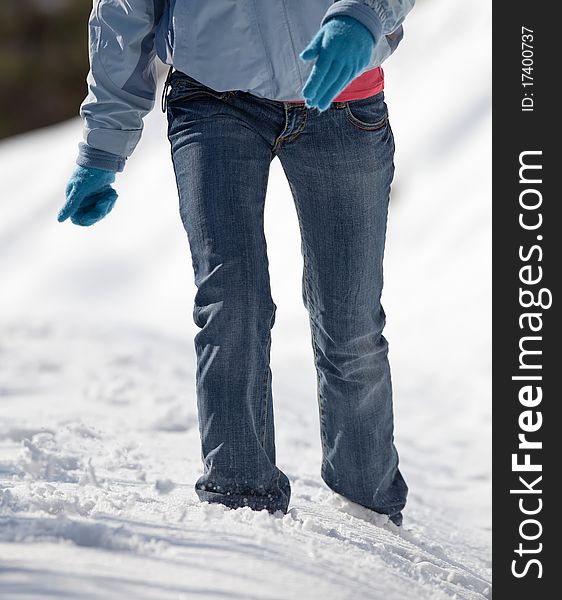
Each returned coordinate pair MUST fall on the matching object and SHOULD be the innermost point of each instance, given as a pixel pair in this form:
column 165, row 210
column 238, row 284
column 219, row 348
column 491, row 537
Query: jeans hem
column 392, row 511
column 254, row 502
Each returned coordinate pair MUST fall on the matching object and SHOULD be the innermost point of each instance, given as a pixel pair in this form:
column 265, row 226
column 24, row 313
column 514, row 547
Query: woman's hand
column 342, row 47
column 89, row 196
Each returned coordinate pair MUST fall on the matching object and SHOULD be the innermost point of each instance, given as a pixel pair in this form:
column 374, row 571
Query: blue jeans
column 339, row 165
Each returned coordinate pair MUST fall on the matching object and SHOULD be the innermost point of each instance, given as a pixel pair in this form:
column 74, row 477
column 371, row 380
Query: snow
column 99, row 446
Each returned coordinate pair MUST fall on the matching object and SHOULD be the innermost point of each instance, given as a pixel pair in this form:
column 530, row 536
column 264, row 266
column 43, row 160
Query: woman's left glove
column 89, row 196
column 342, row 47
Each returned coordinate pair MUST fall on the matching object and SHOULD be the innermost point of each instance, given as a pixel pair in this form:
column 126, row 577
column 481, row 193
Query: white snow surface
column 99, row 446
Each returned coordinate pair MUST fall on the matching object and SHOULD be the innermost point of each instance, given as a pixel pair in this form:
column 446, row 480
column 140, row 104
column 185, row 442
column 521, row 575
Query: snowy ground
column 98, row 434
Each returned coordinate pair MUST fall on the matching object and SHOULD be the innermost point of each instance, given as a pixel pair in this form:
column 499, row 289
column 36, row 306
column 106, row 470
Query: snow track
column 97, row 472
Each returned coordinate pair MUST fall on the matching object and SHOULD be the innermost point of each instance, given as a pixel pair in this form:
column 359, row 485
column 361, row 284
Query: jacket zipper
column 295, row 56
column 264, row 45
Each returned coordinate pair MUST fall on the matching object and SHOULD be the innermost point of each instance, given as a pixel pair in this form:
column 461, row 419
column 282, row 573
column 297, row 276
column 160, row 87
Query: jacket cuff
column 358, row 10
column 99, row 159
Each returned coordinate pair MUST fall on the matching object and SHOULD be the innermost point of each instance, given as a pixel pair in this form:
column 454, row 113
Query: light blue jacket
column 249, row 45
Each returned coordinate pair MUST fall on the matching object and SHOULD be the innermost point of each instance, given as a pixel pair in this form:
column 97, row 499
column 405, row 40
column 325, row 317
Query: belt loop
column 165, row 90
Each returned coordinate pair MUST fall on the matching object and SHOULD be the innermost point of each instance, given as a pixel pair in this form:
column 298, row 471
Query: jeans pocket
column 369, row 114
column 183, row 87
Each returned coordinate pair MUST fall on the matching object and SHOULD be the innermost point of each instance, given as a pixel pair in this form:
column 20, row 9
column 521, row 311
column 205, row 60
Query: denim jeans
column 339, row 164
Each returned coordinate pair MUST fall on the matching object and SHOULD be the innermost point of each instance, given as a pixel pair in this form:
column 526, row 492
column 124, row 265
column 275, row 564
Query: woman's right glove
column 89, row 196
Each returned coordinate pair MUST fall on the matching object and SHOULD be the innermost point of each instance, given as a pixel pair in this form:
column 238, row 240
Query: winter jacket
column 249, row 45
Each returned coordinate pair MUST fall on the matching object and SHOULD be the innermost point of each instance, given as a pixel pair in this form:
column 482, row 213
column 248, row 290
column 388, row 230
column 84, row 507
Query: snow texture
column 99, row 446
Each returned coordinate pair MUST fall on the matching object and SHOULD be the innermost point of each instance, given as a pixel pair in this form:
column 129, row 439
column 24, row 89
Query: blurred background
column 99, row 445
column 43, row 56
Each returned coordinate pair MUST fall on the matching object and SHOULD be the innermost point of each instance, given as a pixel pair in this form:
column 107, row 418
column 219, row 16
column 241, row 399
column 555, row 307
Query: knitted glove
column 343, row 48
column 89, row 196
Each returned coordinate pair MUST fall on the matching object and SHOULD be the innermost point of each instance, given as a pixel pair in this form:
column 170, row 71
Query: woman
column 238, row 95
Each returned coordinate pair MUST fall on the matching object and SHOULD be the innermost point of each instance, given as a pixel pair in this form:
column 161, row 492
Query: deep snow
column 99, row 446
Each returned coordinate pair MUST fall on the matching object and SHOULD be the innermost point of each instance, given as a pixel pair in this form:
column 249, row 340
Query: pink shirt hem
column 369, row 83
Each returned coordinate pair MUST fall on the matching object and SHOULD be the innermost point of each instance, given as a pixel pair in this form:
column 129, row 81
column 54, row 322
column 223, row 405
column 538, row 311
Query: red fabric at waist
column 369, row 83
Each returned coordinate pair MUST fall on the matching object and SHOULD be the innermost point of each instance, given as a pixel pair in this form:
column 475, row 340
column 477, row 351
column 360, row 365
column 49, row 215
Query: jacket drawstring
column 165, row 90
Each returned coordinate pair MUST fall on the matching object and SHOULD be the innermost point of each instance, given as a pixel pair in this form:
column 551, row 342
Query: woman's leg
column 222, row 166
column 340, row 168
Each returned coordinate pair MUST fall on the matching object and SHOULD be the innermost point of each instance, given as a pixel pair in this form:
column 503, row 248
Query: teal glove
column 342, row 47
column 89, row 196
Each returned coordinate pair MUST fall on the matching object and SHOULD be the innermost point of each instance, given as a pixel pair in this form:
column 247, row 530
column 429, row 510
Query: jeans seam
column 315, row 347
column 319, row 396
column 264, row 394
column 265, row 387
